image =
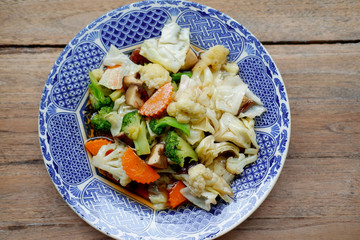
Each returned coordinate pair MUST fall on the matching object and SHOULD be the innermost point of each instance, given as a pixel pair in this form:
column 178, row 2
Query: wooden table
column 316, row 46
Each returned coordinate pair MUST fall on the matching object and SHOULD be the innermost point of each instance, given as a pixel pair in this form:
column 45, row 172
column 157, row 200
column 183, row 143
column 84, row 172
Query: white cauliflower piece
column 186, row 110
column 203, row 186
column 214, row 58
column 208, row 150
column 112, row 162
column 235, row 165
column 201, row 178
column 218, row 166
column 231, row 68
column 154, row 75
column 184, row 106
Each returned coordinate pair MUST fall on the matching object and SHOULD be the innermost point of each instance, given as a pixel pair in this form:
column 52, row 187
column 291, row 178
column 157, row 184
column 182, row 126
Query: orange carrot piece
column 137, row 169
column 158, row 102
column 93, row 146
column 175, row 196
column 111, row 67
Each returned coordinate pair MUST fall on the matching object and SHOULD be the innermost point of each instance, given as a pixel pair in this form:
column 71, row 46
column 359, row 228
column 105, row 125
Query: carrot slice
column 93, row 146
column 175, row 196
column 137, row 169
column 111, row 67
column 158, row 102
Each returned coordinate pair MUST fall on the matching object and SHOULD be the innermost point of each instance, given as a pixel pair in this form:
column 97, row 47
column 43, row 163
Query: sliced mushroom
column 130, row 80
column 133, row 96
column 157, row 156
column 190, row 60
column 125, row 139
column 245, row 104
column 137, row 58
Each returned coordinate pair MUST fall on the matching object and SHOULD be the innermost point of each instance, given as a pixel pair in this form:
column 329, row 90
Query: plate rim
column 287, row 103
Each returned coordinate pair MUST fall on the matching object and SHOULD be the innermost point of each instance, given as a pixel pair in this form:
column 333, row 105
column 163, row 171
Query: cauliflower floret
column 203, row 186
column 231, row 68
column 208, row 150
column 215, row 58
column 236, row 165
column 184, row 106
column 185, row 110
column 218, row 166
column 202, row 178
column 154, row 75
column 112, row 162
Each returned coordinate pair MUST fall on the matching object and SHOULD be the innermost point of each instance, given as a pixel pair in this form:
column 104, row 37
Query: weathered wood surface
column 318, row 193
column 316, row 197
column 33, row 22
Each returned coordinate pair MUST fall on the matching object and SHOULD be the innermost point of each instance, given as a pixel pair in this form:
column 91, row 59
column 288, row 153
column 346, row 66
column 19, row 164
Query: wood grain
column 316, row 197
column 53, row 22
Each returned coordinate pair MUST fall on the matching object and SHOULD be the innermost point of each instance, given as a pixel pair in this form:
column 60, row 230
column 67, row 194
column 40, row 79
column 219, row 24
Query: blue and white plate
column 63, row 114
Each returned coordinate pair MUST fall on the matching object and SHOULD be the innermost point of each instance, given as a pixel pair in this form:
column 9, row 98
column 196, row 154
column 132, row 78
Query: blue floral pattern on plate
column 62, row 123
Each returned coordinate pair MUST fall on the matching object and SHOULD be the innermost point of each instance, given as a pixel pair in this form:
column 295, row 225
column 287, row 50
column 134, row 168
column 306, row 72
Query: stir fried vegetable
column 97, row 94
column 99, row 121
column 178, row 150
column 158, row 125
column 137, row 169
column 182, row 122
column 135, row 128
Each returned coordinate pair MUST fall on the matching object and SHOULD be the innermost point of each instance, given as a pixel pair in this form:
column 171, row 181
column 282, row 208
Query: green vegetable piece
column 177, row 76
column 116, row 94
column 178, row 150
column 158, row 125
column 175, row 86
column 135, row 128
column 99, row 121
column 97, row 96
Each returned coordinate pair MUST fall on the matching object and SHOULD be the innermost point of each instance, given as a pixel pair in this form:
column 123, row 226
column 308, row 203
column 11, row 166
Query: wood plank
column 22, row 78
column 56, row 22
column 314, row 85
column 323, row 84
column 292, row 208
column 316, row 197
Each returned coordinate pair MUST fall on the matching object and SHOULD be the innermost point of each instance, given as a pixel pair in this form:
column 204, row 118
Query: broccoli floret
column 99, row 121
column 178, row 150
column 135, row 128
column 158, row 125
column 97, row 96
